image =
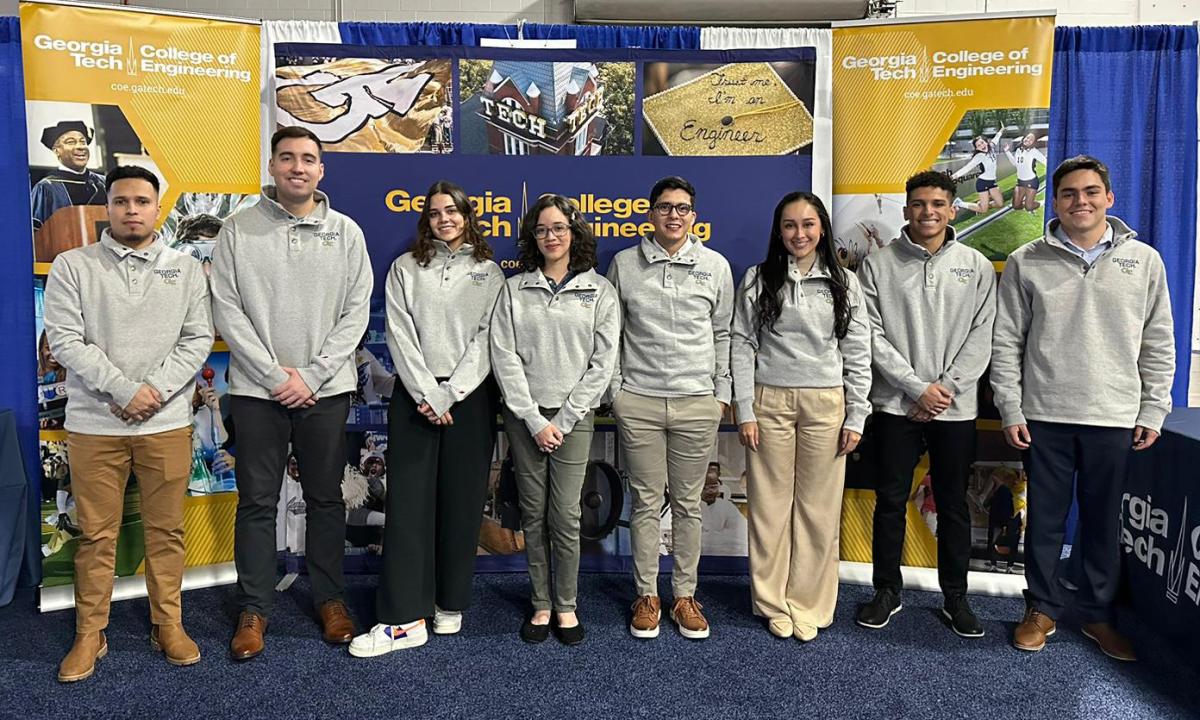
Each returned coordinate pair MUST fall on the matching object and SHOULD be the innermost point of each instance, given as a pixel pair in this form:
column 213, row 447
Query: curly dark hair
column 423, row 248
column 583, row 243
column 773, row 271
column 930, row 179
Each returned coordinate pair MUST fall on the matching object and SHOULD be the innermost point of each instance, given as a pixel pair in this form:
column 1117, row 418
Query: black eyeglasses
column 665, row 208
column 558, row 230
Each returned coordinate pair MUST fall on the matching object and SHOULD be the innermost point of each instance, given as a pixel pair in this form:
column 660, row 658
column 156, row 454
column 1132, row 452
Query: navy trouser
column 1062, row 462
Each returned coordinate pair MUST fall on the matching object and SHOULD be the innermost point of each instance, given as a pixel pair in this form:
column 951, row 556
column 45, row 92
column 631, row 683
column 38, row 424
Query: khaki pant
column 794, row 490
column 100, row 466
column 665, row 444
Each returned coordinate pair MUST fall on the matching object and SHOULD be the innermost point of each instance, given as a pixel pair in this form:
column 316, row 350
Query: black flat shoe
column 531, row 633
column 569, row 635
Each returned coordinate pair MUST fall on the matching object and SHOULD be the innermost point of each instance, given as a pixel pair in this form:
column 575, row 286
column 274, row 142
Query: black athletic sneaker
column 962, row 620
column 882, row 607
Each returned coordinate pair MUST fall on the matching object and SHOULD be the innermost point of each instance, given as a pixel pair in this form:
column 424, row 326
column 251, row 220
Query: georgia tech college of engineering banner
column 178, row 95
column 969, row 97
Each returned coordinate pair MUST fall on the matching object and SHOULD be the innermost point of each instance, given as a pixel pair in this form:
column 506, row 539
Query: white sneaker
column 384, row 639
column 446, row 622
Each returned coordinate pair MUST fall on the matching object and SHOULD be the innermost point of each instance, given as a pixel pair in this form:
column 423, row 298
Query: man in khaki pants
column 129, row 319
column 669, row 394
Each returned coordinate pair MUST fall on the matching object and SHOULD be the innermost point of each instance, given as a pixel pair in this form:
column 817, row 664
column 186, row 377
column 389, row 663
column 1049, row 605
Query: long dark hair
column 772, row 272
column 423, row 248
column 583, row 243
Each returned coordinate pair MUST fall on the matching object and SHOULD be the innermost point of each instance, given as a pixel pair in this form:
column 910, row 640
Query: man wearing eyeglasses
column 669, row 392
column 71, row 183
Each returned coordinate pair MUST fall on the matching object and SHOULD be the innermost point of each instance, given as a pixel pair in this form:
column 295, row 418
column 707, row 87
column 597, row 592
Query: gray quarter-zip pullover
column 291, row 292
column 1084, row 344
column 555, row 349
column 931, row 321
column 802, row 351
column 438, row 318
column 675, row 316
column 118, row 318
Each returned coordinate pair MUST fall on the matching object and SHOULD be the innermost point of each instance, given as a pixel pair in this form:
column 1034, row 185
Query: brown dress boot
column 337, row 626
column 80, row 662
column 248, row 640
column 175, row 645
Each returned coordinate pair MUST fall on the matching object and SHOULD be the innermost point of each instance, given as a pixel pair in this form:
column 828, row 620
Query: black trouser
column 951, row 446
column 318, row 440
column 1092, row 459
column 437, row 482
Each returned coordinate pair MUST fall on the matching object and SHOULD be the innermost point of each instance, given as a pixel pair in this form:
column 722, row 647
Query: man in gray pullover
column 932, row 301
column 1082, row 367
column 129, row 319
column 669, row 393
column 291, row 294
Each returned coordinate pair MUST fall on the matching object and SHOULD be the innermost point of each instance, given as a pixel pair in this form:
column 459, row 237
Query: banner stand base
column 920, row 578
column 62, row 597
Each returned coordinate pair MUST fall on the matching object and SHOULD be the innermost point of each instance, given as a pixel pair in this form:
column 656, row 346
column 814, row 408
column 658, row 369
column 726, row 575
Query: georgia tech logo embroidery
column 478, row 278
column 327, row 237
column 586, row 299
column 963, row 275
column 1127, row 265
column 825, row 294
column 170, row 276
column 700, row 276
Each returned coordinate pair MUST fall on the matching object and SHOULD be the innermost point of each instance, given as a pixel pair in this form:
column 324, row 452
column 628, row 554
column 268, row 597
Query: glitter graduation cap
column 736, row 109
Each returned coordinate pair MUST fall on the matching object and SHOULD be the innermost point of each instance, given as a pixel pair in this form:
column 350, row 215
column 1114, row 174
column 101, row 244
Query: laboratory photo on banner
column 580, row 109
column 747, row 108
column 71, row 148
column 368, row 105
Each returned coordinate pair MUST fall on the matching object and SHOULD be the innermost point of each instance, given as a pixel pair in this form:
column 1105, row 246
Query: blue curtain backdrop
column 18, row 365
column 586, row 36
column 1128, row 97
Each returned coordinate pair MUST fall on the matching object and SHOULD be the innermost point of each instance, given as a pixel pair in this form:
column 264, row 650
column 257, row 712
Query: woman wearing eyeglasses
column 801, row 360
column 440, row 297
column 554, row 340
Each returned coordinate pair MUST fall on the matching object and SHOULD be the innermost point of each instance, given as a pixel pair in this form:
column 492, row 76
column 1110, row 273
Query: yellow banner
column 901, row 91
column 188, row 87
column 969, row 98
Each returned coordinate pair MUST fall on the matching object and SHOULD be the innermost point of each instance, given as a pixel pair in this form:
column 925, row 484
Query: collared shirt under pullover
column 1087, row 344
column 675, row 316
column 802, row 349
column 931, row 321
column 291, row 292
column 438, row 320
column 118, row 318
column 555, row 349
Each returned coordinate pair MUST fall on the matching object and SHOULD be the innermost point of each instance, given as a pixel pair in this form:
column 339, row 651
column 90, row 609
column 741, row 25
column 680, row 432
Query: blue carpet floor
column 914, row 668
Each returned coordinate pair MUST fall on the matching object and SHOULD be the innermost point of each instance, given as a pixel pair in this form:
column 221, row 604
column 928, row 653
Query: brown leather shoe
column 647, row 610
column 175, row 645
column 1112, row 643
column 1031, row 634
column 248, row 640
column 687, row 616
column 337, row 626
column 80, row 662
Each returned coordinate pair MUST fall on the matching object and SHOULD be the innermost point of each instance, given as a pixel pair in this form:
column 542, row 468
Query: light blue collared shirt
column 1089, row 256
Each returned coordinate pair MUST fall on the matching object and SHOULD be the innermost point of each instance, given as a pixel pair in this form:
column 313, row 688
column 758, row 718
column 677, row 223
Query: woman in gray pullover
column 440, row 297
column 555, row 337
column 801, row 360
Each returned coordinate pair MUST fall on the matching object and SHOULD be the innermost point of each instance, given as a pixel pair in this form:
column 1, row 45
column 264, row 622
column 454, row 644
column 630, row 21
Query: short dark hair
column 130, row 172
column 930, row 179
column 583, row 244
column 295, row 131
column 674, row 182
column 1081, row 162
